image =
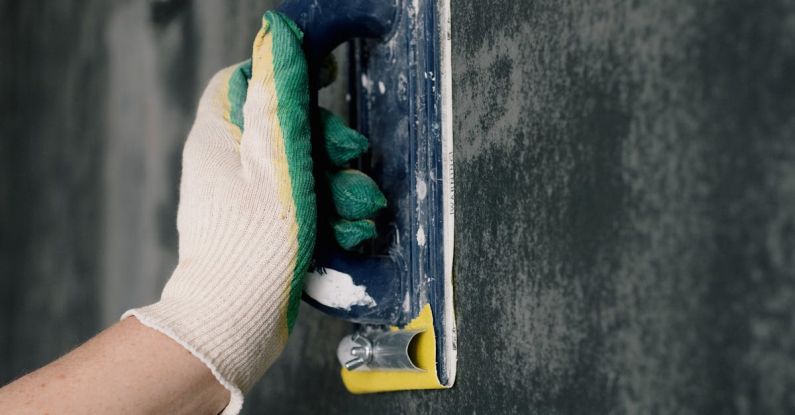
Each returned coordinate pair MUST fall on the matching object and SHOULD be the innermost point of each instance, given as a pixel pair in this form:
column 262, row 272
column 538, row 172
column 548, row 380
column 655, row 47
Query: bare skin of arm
column 127, row 369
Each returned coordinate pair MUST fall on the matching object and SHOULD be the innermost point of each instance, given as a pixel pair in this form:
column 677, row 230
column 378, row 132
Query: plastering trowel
column 398, row 287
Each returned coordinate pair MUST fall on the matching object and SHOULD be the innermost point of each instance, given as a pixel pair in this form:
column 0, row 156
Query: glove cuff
column 222, row 342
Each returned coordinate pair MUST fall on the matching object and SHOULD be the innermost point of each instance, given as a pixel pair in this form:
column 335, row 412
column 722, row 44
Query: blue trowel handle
column 328, row 23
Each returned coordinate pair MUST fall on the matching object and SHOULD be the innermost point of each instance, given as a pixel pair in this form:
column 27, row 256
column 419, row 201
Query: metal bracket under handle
column 381, row 350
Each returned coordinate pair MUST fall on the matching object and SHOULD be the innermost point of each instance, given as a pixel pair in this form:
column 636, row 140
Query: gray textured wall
column 625, row 198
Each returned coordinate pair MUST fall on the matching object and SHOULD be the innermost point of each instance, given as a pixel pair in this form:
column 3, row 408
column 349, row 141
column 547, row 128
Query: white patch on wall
column 421, row 236
column 336, row 289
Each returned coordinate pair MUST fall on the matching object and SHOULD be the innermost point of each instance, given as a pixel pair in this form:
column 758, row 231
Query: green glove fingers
column 342, row 142
column 351, row 233
column 355, row 195
column 356, row 198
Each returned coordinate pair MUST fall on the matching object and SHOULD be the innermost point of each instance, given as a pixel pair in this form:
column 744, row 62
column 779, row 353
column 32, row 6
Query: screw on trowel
column 377, row 350
column 362, row 354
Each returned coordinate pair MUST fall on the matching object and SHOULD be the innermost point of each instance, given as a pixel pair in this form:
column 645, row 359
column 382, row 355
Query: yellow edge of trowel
column 389, row 381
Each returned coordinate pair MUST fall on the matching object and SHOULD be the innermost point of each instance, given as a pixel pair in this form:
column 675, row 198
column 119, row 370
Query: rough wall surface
column 626, row 175
column 625, row 198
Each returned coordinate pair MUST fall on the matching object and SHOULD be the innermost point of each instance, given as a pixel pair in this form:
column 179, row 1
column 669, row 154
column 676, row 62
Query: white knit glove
column 246, row 217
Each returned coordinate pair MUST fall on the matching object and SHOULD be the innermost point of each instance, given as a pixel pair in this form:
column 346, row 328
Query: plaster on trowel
column 398, row 288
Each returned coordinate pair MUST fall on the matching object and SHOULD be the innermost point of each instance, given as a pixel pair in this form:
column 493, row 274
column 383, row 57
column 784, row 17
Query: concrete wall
column 625, row 198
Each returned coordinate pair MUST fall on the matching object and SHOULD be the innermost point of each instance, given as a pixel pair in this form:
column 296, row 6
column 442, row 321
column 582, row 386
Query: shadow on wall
column 92, row 157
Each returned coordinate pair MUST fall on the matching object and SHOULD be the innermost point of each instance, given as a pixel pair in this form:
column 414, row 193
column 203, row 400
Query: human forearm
column 127, row 369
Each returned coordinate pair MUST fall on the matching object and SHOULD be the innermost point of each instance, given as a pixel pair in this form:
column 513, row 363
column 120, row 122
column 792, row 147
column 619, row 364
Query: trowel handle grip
column 328, row 23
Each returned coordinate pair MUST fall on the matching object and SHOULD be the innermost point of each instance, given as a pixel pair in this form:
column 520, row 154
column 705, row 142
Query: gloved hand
column 247, row 213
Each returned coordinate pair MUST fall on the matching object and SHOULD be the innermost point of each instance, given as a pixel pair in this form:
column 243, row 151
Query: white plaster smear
column 421, row 189
column 421, row 236
column 336, row 289
column 367, row 83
